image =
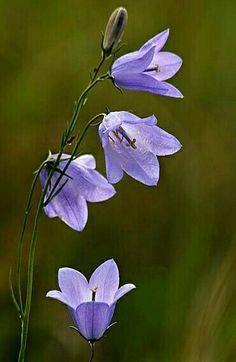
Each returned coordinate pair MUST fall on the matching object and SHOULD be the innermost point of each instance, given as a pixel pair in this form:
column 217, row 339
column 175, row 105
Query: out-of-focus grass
column 175, row 241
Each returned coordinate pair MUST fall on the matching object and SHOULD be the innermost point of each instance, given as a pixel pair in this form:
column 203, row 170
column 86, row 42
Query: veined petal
column 158, row 41
column 105, row 281
column 93, row 318
column 69, row 207
column 136, row 63
column 56, row 294
column 139, row 163
column 168, row 63
column 145, row 82
column 123, row 290
column 111, row 122
column 172, row 91
column 127, row 117
column 142, row 82
column 74, row 286
column 154, row 138
column 93, row 186
column 113, row 168
column 68, row 204
column 87, row 161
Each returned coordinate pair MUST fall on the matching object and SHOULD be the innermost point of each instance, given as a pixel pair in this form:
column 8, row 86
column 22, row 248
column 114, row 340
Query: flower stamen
column 156, row 69
column 94, row 291
column 121, row 134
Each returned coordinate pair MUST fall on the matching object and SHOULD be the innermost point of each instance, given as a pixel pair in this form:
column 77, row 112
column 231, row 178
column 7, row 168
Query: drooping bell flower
column 80, row 184
column 148, row 68
column 131, row 144
column 91, row 304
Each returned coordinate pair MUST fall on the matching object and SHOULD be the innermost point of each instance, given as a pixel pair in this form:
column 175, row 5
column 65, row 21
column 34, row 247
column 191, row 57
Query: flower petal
column 93, row 186
column 132, row 63
column 92, row 319
column 105, row 280
column 56, row 294
column 113, row 168
column 145, row 82
column 154, row 138
column 70, row 208
column 74, row 286
column 168, row 63
column 139, row 163
column 127, row 117
column 87, row 161
column 123, row 290
column 158, row 41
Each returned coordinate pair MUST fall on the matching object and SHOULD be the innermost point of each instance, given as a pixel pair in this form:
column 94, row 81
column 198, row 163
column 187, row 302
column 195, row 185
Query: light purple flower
column 131, row 144
column 91, row 304
column 81, row 183
column 147, row 68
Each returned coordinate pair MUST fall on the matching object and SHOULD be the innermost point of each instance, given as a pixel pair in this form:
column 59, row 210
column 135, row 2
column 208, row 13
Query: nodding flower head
column 79, row 184
column 148, row 68
column 131, row 144
column 91, row 303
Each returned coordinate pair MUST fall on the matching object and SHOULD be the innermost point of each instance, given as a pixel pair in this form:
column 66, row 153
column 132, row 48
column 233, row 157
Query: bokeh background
column 176, row 241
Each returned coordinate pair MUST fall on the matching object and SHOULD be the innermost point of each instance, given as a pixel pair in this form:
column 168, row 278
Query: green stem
column 92, row 345
column 26, row 315
column 21, row 240
column 98, row 67
column 79, row 105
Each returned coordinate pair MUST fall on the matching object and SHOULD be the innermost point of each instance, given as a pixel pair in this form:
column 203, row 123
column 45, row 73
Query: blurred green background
column 176, row 241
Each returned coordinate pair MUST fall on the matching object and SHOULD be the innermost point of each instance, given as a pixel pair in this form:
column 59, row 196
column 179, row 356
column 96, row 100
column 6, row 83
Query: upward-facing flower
column 80, row 183
column 148, row 68
column 131, row 144
column 91, row 304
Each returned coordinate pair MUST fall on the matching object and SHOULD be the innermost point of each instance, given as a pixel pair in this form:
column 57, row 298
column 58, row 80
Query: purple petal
column 138, row 62
column 171, row 91
column 56, row 294
column 145, row 82
column 113, row 168
column 123, row 290
column 92, row 319
column 158, row 41
column 125, row 117
column 139, row 163
column 105, row 280
column 74, row 286
column 70, row 208
column 110, row 123
column 68, row 204
column 168, row 63
column 87, row 161
column 93, row 186
column 154, row 138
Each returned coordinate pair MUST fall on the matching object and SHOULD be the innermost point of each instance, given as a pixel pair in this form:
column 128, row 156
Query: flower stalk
column 24, row 308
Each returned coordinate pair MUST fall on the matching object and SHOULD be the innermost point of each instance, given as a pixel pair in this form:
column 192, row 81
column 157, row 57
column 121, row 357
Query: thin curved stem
column 26, row 315
column 98, row 67
column 79, row 105
column 21, row 239
column 92, row 345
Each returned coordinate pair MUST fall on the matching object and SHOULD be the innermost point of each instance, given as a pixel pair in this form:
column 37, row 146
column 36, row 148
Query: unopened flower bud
column 114, row 30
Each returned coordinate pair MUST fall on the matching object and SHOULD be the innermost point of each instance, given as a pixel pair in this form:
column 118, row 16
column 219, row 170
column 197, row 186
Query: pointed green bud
column 114, row 30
